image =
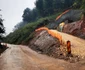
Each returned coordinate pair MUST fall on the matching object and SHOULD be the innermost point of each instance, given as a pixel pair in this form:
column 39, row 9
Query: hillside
column 45, row 15
column 24, row 34
column 47, row 42
column 51, row 36
column 19, row 57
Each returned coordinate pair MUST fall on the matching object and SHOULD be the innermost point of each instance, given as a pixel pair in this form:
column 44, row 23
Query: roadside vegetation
column 33, row 19
column 24, row 34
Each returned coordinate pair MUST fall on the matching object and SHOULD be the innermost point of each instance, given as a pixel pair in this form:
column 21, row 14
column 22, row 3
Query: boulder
column 43, row 42
column 75, row 28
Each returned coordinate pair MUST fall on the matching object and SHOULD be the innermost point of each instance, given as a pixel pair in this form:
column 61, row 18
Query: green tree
column 40, row 7
column 68, row 3
column 35, row 15
column 77, row 4
column 48, row 7
column 27, row 15
column 83, row 4
column 2, row 29
column 57, row 5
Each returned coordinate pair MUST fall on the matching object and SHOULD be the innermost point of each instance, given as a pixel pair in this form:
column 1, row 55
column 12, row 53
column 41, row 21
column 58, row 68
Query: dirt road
column 18, row 57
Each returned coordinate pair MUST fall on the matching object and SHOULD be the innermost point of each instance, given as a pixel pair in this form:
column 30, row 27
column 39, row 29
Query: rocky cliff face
column 76, row 28
column 70, row 15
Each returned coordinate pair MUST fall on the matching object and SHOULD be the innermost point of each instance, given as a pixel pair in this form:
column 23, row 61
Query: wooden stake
column 69, row 47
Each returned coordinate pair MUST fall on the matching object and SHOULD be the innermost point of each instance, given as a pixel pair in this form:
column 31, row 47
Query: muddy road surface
column 18, row 57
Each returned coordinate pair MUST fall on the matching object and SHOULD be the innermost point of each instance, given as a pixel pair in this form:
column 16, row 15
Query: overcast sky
column 12, row 11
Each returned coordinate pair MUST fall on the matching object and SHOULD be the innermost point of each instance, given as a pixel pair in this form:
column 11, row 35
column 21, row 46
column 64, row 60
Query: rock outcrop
column 44, row 42
column 76, row 28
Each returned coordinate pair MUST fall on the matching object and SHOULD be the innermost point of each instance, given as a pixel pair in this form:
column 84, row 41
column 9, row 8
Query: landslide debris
column 44, row 43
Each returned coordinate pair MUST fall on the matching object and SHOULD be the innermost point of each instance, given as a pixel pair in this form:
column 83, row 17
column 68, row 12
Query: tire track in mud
column 18, row 57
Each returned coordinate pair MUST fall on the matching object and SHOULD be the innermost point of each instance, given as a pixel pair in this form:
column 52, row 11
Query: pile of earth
column 44, row 43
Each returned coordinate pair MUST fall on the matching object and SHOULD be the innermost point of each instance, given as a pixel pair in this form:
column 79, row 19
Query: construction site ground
column 19, row 57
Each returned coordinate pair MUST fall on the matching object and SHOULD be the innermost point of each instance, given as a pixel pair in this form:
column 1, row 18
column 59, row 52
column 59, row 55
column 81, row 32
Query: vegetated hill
column 24, row 34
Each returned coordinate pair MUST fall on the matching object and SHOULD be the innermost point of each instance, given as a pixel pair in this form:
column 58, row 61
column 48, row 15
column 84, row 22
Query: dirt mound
column 44, row 43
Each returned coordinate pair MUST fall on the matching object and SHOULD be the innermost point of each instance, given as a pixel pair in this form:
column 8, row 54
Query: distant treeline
column 48, row 7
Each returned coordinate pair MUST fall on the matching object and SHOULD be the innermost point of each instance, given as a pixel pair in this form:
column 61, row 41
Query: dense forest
column 45, row 10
